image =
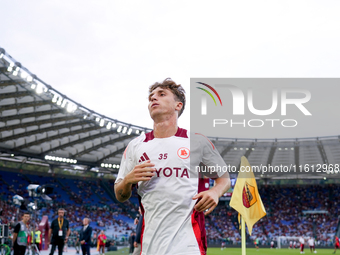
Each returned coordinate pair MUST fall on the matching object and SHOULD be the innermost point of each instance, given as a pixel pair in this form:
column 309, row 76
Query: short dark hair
column 176, row 89
column 25, row 213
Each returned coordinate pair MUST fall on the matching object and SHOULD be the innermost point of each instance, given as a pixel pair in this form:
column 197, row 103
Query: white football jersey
column 302, row 240
column 311, row 242
column 171, row 225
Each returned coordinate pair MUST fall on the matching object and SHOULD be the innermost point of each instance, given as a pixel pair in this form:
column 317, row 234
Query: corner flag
column 246, row 198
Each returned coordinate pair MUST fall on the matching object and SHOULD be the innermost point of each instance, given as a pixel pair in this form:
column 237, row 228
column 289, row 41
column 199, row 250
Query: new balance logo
column 143, row 158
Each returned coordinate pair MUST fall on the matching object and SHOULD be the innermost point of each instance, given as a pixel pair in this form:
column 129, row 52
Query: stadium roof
column 40, row 124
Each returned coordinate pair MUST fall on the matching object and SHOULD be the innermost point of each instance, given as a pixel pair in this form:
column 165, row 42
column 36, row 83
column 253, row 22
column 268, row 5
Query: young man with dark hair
column 163, row 164
column 20, row 235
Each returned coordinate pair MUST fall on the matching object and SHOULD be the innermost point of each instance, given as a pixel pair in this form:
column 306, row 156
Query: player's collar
column 181, row 132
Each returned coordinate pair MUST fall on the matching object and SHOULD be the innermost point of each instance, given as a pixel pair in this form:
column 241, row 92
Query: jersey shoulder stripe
column 207, row 139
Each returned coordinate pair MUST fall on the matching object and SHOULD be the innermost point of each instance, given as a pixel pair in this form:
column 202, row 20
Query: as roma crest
column 248, row 195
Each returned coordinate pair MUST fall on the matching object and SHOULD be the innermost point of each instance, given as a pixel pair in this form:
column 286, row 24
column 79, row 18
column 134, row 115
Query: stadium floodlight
column 39, row 89
column 1, row 55
column 130, row 131
column 33, row 86
column 124, row 130
column 29, row 78
column 60, row 99
column 16, row 71
column 60, row 159
column 137, row 131
column 102, row 122
column 85, row 117
column 119, row 129
column 23, row 74
column 10, row 69
column 55, row 98
column 114, row 125
column 71, row 107
column 108, row 126
column 97, row 119
column 143, row 133
column 64, row 103
column 102, row 164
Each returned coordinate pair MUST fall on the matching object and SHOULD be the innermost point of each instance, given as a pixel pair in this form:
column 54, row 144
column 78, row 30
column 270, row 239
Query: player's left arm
column 209, row 198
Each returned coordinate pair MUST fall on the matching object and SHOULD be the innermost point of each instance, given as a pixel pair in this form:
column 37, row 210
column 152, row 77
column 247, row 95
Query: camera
column 35, row 190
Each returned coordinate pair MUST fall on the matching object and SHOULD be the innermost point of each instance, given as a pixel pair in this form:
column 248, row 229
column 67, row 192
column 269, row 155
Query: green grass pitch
column 250, row 251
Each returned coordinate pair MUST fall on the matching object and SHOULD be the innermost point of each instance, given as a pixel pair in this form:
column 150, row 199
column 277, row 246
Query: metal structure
column 40, row 124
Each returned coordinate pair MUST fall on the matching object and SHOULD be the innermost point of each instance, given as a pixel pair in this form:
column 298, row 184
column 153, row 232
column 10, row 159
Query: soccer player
column 163, row 165
column 337, row 244
column 272, row 244
column 294, row 245
column 302, row 244
column 222, row 245
column 290, row 244
column 311, row 243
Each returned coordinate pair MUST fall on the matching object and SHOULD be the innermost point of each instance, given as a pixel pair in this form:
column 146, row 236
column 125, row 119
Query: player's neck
column 166, row 128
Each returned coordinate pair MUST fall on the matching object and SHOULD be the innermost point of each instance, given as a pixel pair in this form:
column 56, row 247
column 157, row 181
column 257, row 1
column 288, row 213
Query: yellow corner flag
column 246, row 198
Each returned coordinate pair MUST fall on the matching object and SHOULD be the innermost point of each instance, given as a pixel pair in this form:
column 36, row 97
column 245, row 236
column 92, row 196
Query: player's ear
column 179, row 106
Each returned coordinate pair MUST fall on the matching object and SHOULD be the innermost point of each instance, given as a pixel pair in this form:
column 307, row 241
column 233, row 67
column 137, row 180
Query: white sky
column 104, row 54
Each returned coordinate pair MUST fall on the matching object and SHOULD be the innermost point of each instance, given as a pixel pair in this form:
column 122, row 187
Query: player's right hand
column 142, row 172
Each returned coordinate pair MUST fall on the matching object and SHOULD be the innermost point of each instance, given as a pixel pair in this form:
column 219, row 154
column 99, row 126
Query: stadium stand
column 47, row 138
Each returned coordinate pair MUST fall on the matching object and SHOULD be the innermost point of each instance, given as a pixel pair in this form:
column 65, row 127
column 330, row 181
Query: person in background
column 20, row 235
column 101, row 242
column 59, row 231
column 37, row 237
column 85, row 237
column 337, row 244
column 131, row 242
column 137, row 243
